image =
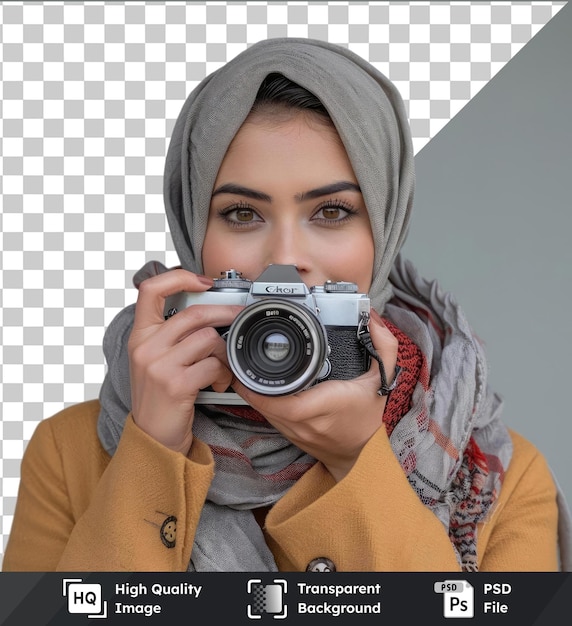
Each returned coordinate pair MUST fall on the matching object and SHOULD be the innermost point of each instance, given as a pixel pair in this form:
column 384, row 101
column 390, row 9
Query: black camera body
column 288, row 337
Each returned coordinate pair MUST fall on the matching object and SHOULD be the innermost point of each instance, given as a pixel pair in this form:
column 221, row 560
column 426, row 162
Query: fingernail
column 375, row 315
column 205, row 280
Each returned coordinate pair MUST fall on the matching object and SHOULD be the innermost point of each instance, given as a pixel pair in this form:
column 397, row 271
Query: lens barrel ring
column 303, row 331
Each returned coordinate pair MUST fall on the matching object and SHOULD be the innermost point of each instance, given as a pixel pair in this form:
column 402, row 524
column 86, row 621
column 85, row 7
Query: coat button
column 321, row 564
column 169, row 531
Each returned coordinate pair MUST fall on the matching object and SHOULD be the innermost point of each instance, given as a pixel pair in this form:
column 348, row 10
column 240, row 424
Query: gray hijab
column 365, row 107
column 370, row 118
column 371, row 121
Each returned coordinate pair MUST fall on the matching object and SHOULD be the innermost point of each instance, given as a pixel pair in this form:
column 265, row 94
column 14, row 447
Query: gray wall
column 493, row 222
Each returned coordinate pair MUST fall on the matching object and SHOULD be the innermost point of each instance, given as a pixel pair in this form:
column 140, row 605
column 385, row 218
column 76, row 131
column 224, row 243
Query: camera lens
column 276, row 347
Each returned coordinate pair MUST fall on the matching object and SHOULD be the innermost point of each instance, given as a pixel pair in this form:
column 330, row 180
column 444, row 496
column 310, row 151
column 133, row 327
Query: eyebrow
column 326, row 190
column 342, row 185
column 239, row 190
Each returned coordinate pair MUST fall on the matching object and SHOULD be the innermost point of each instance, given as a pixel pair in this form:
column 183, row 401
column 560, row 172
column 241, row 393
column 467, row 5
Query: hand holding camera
column 171, row 362
column 271, row 339
column 333, row 420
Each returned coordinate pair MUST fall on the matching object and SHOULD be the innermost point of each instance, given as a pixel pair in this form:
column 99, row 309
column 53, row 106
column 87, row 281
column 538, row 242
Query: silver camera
column 288, row 337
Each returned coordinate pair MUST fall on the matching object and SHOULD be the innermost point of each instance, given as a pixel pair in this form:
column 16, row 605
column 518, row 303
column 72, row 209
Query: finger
column 195, row 317
column 386, row 346
column 184, row 382
column 187, row 368
column 293, row 408
column 164, row 361
column 153, row 291
column 196, row 347
column 209, row 372
column 266, row 404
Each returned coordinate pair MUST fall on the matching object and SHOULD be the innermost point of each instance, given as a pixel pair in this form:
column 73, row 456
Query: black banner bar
column 36, row 599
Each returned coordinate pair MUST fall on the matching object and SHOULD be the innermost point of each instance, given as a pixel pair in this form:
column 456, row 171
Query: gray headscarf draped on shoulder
column 365, row 107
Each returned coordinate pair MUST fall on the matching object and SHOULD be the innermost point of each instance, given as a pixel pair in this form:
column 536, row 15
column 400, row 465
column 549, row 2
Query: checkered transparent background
column 90, row 93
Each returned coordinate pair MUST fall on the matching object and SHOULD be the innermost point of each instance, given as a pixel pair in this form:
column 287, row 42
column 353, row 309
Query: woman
column 297, row 152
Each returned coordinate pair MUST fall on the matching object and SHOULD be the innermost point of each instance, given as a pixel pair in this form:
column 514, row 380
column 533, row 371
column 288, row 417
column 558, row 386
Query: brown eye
column 244, row 215
column 334, row 213
column 240, row 216
column 331, row 213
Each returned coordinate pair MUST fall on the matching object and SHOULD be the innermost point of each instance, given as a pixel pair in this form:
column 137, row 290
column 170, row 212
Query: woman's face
column 286, row 193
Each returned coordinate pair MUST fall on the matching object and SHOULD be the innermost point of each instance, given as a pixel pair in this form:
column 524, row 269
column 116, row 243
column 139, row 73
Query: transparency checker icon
column 84, row 598
column 267, row 599
column 458, row 598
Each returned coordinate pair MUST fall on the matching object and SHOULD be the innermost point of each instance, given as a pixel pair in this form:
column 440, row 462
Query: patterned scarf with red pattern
column 453, row 475
column 450, row 441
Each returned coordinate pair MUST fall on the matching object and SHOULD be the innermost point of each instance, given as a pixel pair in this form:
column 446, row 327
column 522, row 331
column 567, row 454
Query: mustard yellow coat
column 79, row 509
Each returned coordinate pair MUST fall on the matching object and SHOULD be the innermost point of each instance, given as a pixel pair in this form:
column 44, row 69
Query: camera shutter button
column 340, row 287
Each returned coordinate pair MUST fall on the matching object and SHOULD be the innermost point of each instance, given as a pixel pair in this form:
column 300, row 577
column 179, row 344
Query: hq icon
column 84, row 598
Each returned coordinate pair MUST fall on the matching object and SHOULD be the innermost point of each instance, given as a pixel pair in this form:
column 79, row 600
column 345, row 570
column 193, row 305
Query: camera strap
column 364, row 338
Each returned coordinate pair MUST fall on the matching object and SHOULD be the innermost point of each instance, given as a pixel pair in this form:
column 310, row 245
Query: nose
column 288, row 245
